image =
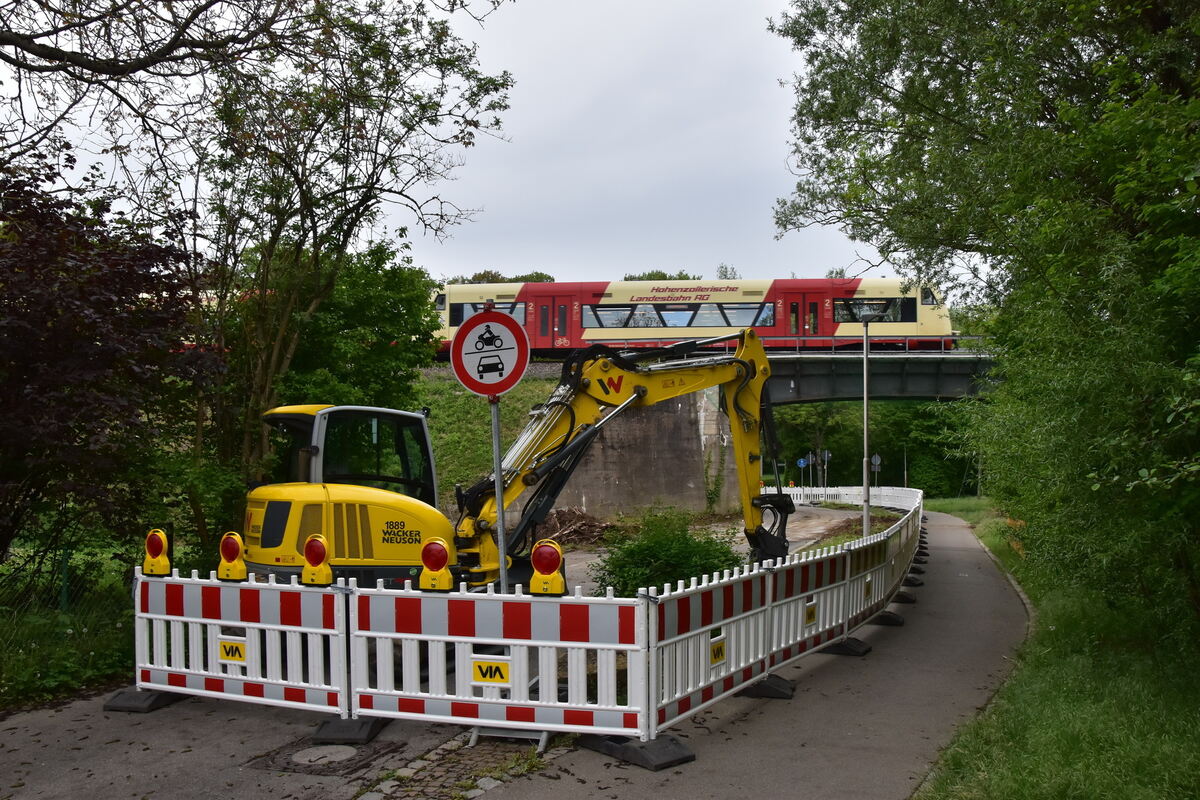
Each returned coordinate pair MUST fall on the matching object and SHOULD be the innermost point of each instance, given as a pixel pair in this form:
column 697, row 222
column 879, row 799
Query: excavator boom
column 597, row 386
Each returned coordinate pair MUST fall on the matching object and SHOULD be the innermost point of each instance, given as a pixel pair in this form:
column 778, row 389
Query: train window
column 562, row 319
column 460, row 312
column 439, row 302
column 767, row 317
column 847, row 309
column 812, row 319
column 741, row 315
column 543, row 320
column 709, row 316
column 608, row 316
column 908, row 309
column 589, row 317
column 794, row 318
column 644, row 316
column 928, row 298
column 677, row 315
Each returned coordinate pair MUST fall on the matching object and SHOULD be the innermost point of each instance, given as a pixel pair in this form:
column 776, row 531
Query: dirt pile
column 571, row 526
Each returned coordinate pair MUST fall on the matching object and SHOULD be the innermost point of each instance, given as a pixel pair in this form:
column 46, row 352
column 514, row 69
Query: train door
column 802, row 317
column 550, row 322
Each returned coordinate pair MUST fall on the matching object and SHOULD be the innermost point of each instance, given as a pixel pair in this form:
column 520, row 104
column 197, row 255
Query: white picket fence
column 629, row 666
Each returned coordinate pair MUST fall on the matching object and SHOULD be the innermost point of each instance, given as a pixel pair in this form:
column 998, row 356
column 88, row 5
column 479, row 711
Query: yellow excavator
column 356, row 487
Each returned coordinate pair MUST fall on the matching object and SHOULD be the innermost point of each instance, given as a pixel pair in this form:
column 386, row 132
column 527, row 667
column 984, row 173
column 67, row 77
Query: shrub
column 663, row 549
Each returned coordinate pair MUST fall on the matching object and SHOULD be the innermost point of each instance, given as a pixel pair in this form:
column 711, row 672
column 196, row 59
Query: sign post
column 489, row 355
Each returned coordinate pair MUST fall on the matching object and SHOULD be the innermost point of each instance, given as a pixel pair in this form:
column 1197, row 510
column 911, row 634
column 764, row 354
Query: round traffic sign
column 489, row 353
column 801, row 463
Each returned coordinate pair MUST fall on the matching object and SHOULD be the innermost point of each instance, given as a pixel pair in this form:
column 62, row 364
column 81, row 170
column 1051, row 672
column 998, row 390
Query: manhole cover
column 324, row 754
column 326, row 759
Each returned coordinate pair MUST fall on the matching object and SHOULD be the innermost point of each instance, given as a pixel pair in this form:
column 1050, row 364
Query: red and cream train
column 788, row 314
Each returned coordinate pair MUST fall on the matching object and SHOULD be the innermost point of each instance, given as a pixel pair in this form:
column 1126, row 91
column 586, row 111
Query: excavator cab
column 361, row 477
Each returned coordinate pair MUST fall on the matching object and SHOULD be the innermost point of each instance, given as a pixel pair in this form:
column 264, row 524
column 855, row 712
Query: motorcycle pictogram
column 488, row 339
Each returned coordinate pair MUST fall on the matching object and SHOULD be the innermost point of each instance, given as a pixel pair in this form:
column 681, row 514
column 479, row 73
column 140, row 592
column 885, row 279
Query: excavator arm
column 598, row 385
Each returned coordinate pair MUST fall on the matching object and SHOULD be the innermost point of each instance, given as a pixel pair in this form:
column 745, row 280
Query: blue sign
column 801, row 463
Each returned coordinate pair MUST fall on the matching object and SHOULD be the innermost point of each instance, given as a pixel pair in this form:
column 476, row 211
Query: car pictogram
column 490, row 363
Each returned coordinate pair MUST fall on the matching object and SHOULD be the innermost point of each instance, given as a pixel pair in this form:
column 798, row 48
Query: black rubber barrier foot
column 920, row 560
column 349, row 731
column 922, row 551
column 888, row 618
column 913, row 580
column 771, row 687
column 847, row 647
column 661, row 753
column 917, row 570
column 903, row 597
column 141, row 701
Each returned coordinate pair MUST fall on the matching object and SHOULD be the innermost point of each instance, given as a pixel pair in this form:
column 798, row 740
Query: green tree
column 495, row 276
column 366, row 343
column 94, row 350
column 1042, row 156
column 661, row 275
column 307, row 152
column 726, row 272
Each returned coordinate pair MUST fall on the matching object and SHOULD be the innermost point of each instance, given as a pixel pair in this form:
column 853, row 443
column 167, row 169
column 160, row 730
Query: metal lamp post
column 868, row 311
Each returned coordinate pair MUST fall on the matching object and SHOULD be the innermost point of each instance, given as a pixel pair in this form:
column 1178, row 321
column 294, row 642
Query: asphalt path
column 867, row 728
column 858, row 727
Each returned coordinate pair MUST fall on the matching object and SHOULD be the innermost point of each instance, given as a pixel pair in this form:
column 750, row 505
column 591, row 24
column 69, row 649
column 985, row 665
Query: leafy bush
column 63, row 628
column 663, row 548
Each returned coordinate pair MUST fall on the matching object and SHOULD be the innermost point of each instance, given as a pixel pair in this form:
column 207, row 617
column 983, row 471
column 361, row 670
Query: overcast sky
column 647, row 134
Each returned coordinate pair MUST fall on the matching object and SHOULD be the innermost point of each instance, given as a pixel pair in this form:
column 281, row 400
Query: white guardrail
column 606, row 665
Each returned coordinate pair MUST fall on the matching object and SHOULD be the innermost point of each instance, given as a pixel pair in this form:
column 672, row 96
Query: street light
column 867, row 311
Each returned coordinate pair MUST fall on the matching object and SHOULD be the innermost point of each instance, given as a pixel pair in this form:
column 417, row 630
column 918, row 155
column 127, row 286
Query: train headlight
column 547, row 559
column 232, row 566
column 156, row 561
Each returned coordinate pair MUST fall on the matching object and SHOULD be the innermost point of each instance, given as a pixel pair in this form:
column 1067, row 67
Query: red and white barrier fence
column 513, row 661
column 606, row 665
column 269, row 643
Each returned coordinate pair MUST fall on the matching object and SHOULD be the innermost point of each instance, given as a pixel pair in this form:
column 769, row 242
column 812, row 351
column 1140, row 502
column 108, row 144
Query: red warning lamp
column 316, row 570
column 434, row 555
column 231, row 548
column 154, row 544
column 232, row 567
column 156, row 561
column 315, row 552
column 546, row 558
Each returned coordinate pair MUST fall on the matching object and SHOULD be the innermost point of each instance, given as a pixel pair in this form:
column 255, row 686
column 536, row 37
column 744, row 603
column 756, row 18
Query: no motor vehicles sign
column 489, row 353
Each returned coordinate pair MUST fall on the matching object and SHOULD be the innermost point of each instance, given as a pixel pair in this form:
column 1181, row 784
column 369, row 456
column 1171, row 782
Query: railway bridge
column 813, row 377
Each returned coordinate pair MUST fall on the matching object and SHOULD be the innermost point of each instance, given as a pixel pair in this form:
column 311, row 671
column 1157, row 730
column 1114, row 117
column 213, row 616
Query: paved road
column 867, row 728
column 857, row 727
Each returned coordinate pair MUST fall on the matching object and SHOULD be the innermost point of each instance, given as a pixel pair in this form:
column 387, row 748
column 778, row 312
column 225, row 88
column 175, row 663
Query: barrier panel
column 268, row 643
column 604, row 665
column 722, row 634
column 706, row 641
column 573, row 664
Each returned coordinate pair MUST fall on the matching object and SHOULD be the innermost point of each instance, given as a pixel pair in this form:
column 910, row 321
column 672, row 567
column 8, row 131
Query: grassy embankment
column 1095, row 708
column 460, row 424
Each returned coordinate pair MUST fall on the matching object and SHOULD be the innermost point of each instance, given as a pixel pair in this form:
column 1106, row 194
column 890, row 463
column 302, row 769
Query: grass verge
column 1097, row 707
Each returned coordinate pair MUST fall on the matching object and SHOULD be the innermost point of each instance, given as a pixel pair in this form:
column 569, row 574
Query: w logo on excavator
column 612, row 385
